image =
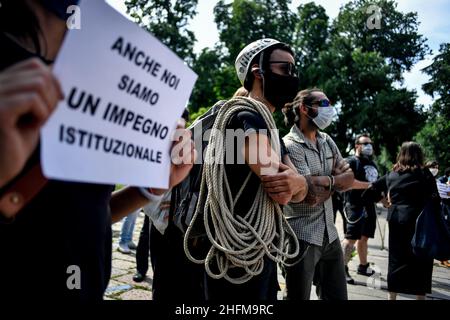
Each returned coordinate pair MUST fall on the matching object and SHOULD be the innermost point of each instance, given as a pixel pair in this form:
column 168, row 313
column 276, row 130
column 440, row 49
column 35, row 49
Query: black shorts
column 360, row 224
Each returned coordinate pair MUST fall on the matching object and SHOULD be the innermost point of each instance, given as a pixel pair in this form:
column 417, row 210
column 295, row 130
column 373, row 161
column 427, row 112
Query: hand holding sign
column 183, row 162
column 183, row 157
column 124, row 94
column 29, row 93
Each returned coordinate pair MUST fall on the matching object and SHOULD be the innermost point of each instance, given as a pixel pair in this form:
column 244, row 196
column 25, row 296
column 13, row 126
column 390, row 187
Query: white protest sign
column 124, row 92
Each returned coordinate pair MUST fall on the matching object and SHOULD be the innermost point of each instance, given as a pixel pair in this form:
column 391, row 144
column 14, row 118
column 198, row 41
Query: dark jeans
column 143, row 248
column 325, row 266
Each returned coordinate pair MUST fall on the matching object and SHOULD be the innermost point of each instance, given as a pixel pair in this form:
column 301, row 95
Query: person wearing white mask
column 433, row 166
column 360, row 215
column 316, row 156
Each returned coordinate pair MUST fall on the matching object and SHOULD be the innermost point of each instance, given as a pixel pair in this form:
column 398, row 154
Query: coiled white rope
column 239, row 239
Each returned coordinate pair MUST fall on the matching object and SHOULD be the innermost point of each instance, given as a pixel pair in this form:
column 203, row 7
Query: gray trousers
column 325, row 266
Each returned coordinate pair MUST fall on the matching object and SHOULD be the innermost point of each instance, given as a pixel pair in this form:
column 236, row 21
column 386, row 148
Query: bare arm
column 300, row 196
column 344, row 181
column 360, row 184
column 318, row 190
column 126, row 201
column 281, row 182
column 343, row 176
column 319, row 186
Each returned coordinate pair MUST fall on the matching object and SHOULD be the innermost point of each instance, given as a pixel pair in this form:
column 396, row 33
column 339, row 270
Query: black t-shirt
column 249, row 122
column 364, row 169
column 65, row 228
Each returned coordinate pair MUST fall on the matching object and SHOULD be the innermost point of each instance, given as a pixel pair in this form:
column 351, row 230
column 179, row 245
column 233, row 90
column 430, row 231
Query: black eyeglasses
column 287, row 68
column 364, row 143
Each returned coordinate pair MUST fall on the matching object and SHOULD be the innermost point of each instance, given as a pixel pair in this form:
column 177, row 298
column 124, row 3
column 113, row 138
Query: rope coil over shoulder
column 239, row 240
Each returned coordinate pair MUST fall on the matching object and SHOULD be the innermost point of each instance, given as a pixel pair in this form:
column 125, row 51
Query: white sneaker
column 124, row 249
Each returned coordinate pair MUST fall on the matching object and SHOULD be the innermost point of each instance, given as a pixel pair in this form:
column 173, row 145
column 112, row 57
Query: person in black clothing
column 74, row 217
column 175, row 277
column 360, row 215
column 143, row 251
column 409, row 186
column 266, row 68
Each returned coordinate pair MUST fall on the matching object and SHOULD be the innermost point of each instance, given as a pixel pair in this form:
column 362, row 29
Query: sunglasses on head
column 287, row 68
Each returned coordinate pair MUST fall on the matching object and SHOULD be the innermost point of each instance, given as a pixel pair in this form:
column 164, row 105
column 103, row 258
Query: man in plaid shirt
column 316, row 156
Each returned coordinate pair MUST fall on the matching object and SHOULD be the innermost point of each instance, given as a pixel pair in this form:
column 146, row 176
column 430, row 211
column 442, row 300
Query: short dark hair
column 250, row 78
column 362, row 135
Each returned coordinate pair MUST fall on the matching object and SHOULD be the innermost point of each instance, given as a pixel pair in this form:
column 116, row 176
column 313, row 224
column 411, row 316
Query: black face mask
column 279, row 90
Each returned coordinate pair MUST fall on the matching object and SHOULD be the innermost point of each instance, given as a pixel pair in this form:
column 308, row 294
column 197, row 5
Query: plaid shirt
column 309, row 223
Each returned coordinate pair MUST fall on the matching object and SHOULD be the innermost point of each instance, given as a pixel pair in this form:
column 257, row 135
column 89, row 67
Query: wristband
column 150, row 196
column 332, row 182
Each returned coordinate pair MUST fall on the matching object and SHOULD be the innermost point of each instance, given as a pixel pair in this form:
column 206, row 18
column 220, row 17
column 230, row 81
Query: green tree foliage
column 168, row 21
column 368, row 100
column 359, row 67
column 435, row 139
column 435, row 135
column 310, row 39
column 397, row 39
column 218, row 79
column 241, row 22
column 439, row 86
column 207, row 64
column 394, row 118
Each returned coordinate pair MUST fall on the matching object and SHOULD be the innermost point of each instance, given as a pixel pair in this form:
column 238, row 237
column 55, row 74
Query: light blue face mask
column 324, row 116
column 367, row 150
column 59, row 7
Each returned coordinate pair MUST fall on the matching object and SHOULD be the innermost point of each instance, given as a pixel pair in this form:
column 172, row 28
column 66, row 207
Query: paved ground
column 122, row 286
